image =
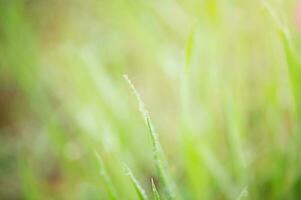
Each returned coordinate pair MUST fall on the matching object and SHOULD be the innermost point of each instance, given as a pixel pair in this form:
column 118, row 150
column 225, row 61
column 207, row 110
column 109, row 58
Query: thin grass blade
column 139, row 190
column 158, row 154
column 106, row 178
column 155, row 191
column 189, row 50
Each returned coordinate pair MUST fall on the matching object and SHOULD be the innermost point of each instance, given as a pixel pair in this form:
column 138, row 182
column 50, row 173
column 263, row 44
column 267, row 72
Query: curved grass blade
column 294, row 75
column 190, row 48
column 139, row 190
column 294, row 69
column 106, row 178
column 293, row 61
column 155, row 191
column 218, row 172
column 157, row 151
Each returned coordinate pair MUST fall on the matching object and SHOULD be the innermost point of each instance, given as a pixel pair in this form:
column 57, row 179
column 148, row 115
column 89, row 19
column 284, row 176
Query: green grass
column 220, row 78
column 106, row 179
column 157, row 151
column 156, row 195
column 139, row 190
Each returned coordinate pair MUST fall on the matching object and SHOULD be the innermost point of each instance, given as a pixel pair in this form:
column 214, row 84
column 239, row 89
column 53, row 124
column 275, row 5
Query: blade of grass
column 106, row 178
column 294, row 69
column 154, row 189
column 293, row 62
column 139, row 190
column 189, row 50
column 217, row 171
column 157, row 151
column 294, row 73
column 235, row 126
column 194, row 168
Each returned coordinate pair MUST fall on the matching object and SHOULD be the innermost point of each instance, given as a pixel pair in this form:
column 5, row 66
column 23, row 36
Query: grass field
column 149, row 99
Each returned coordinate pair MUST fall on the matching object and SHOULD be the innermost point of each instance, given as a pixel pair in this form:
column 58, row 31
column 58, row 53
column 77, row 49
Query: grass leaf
column 139, row 190
column 157, row 152
column 155, row 192
column 106, row 178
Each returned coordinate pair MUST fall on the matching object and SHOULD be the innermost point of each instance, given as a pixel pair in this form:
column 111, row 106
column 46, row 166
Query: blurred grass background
column 220, row 78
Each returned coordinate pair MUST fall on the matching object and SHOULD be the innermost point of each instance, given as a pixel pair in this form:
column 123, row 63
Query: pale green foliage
column 221, row 79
